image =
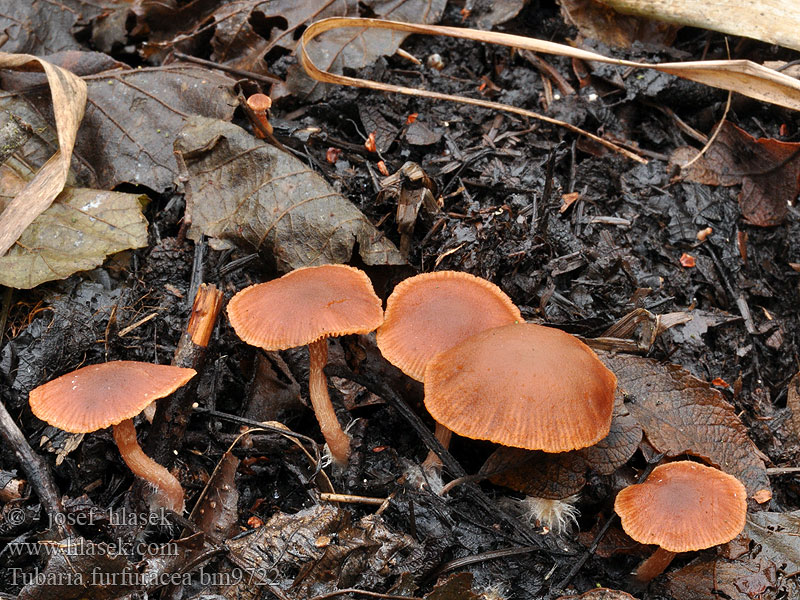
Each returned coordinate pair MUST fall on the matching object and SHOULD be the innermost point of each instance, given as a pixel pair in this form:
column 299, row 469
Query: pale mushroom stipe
column 304, row 308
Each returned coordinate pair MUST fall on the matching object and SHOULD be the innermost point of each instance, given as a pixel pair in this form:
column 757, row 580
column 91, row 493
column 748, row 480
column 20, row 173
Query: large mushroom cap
column 432, row 312
column 305, row 305
column 683, row 506
column 97, row 396
column 522, row 385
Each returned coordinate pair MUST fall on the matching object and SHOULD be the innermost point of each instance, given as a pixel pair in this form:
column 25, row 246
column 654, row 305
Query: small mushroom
column 682, row 506
column 429, row 313
column 305, row 307
column 112, row 393
column 522, row 385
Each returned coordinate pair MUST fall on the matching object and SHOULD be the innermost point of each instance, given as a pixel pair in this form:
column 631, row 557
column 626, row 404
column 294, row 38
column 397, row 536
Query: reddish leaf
column 767, row 169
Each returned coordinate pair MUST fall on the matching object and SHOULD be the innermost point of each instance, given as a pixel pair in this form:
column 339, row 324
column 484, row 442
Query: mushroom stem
column 444, row 435
column 338, row 441
column 654, row 566
column 145, row 467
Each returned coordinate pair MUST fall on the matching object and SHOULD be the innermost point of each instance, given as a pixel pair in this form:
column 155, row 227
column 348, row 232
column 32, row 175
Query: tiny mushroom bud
column 260, row 104
column 112, row 393
column 681, row 507
column 305, row 307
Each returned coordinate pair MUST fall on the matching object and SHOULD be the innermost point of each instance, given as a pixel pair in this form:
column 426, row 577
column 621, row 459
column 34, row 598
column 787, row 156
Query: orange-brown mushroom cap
column 97, row 396
column 683, row 506
column 259, row 102
column 522, row 385
column 432, row 312
column 305, row 305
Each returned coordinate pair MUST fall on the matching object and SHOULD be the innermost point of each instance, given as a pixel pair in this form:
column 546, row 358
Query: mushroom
column 429, row 313
column 112, row 393
column 305, row 307
column 522, row 385
column 682, row 506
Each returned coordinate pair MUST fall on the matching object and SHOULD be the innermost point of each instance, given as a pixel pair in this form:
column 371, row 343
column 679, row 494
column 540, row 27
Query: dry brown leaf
column 68, row 96
column 218, row 513
column 132, row 118
column 357, row 47
column 557, row 476
column 767, row 169
column 793, row 404
column 41, row 29
column 596, row 20
column 771, row 21
column 457, row 586
column 681, row 414
column 721, row 578
column 246, row 191
column 237, row 42
column 778, row 537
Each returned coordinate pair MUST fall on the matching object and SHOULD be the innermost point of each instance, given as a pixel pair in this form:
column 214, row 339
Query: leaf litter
column 251, row 193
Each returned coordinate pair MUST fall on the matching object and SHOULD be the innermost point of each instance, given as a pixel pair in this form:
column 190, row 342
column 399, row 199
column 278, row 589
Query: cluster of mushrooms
column 486, row 373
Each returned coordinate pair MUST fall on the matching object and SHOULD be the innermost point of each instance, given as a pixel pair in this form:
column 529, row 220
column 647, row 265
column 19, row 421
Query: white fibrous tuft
column 418, row 477
column 557, row 515
column 496, row 591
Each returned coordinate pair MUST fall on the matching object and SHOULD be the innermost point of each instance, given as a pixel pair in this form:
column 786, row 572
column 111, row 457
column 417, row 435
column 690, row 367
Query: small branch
column 172, row 414
column 36, row 470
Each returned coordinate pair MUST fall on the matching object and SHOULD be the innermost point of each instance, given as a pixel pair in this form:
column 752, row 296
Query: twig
column 352, row 499
column 364, row 593
column 483, row 557
column 172, row 414
column 36, row 470
column 226, row 69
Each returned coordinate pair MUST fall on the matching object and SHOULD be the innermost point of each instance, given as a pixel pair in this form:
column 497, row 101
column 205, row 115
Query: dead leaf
column 75, row 233
column 793, row 404
column 68, row 98
column 32, row 30
column 681, row 414
column 249, row 192
column 536, row 473
column 594, row 19
column 131, row 121
column 358, row 47
column 217, row 513
column 767, row 169
column 240, row 43
column 712, row 579
column 614, row 450
column 778, row 537
column 773, row 22
column 74, row 565
column 557, row 476
column 457, row 586
column 297, row 552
